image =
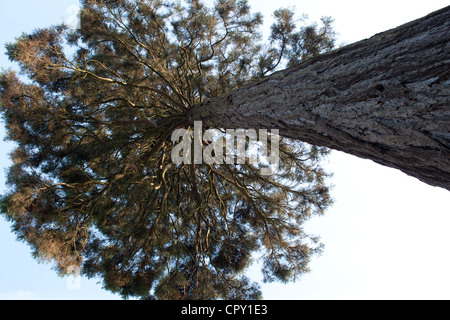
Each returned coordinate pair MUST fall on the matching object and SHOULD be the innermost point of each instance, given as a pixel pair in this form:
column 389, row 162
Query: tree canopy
column 92, row 182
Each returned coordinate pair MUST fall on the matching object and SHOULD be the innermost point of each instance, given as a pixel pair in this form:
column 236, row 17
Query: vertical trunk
column 385, row 98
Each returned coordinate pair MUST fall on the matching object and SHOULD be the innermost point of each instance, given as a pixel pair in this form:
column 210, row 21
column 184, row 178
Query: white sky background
column 386, row 236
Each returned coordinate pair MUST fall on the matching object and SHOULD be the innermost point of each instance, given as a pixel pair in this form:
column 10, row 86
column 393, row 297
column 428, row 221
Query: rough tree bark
column 385, row 98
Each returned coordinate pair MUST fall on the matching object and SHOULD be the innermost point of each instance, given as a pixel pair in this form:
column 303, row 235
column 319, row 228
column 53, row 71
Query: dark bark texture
column 385, row 98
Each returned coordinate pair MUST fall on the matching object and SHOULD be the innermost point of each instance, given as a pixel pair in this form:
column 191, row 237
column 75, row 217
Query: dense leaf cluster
column 92, row 182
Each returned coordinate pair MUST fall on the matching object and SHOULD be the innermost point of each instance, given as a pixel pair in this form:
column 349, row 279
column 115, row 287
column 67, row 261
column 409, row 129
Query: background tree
column 93, row 183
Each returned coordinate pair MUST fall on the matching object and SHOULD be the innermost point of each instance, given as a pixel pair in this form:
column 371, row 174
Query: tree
column 92, row 182
column 385, row 98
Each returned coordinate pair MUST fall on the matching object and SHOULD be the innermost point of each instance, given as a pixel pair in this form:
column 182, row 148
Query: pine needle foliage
column 92, row 183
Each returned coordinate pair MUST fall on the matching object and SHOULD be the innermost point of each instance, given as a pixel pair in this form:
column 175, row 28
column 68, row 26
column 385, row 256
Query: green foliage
column 92, row 182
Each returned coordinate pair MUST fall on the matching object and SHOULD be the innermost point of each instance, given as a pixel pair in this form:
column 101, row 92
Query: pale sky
column 386, row 236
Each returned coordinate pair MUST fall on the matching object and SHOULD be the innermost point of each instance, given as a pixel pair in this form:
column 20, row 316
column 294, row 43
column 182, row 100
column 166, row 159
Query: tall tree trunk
column 385, row 98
